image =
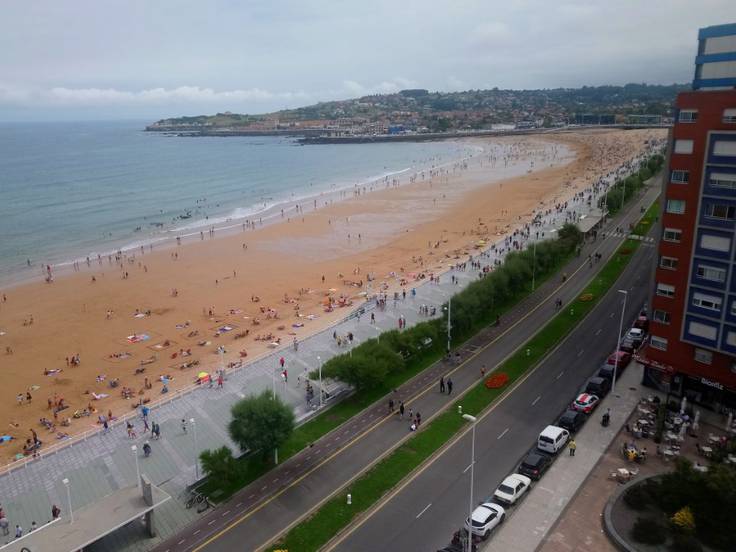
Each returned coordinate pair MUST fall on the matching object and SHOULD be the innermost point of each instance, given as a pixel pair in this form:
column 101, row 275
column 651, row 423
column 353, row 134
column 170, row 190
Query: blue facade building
column 715, row 64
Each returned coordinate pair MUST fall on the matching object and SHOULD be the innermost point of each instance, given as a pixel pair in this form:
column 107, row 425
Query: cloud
column 61, row 96
column 352, row 89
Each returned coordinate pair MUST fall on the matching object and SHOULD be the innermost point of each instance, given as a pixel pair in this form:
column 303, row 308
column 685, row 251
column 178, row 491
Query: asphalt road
column 424, row 514
column 266, row 508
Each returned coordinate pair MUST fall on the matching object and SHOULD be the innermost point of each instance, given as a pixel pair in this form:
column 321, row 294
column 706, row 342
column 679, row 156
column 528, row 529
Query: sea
column 74, row 190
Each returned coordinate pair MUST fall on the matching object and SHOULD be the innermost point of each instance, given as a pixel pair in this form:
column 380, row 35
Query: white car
column 485, row 518
column 512, row 488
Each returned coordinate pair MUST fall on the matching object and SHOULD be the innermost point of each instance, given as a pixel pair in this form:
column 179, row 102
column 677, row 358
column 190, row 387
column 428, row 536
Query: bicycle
column 199, row 499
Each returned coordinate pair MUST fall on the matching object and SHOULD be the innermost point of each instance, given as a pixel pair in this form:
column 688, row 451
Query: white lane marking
column 466, row 469
column 580, row 352
column 211, row 522
column 197, row 531
column 560, row 374
column 425, row 509
column 535, row 401
column 251, row 496
column 502, row 433
column 181, row 542
column 598, row 331
column 239, row 504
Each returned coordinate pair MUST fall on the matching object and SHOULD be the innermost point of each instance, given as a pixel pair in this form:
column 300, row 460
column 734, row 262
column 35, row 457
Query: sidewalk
column 529, row 523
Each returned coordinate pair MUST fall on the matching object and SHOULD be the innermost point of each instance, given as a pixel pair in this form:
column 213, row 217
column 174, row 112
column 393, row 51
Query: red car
column 585, row 403
column 624, row 357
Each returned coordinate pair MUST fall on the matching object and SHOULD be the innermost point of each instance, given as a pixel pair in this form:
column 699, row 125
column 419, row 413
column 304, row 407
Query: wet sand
column 422, row 226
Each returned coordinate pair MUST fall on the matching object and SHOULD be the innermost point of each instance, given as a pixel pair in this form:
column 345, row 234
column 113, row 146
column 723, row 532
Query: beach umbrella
column 203, row 375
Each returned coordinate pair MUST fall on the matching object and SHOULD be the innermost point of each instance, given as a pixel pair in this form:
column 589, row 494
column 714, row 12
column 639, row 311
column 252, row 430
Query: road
column 423, row 515
column 264, row 509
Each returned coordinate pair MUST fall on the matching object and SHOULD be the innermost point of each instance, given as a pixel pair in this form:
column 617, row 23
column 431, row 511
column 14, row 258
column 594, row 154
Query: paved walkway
column 105, row 463
column 529, row 522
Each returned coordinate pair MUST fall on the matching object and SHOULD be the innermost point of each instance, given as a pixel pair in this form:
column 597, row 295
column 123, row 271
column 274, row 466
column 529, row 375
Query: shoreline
column 282, row 260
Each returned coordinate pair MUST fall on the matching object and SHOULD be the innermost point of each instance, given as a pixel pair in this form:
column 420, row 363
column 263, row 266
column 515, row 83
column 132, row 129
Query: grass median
column 324, row 524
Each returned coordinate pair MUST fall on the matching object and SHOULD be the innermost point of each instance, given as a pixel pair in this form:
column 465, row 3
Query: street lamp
column 196, row 449
column 449, row 324
column 273, row 383
column 620, row 330
column 472, row 420
column 534, row 265
column 65, row 481
column 134, row 448
column 319, row 361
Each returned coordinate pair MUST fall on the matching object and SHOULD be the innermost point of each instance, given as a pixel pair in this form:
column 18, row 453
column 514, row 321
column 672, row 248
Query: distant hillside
column 419, row 110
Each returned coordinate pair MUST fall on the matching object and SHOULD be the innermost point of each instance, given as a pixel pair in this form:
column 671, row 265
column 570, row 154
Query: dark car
column 598, row 386
column 534, row 465
column 606, row 371
column 572, row 420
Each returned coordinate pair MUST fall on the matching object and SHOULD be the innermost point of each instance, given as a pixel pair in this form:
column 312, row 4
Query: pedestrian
column 34, row 526
column 390, row 405
column 442, row 384
column 483, row 371
column 5, row 526
column 184, row 425
column 282, row 361
column 449, row 386
column 220, row 381
column 411, row 414
column 373, row 318
column 105, row 425
column 18, row 531
column 401, row 410
column 146, row 427
column 285, row 375
column 572, row 446
column 419, row 419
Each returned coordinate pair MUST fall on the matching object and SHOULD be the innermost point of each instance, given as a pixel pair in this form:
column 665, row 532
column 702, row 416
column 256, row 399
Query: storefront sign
column 711, row 383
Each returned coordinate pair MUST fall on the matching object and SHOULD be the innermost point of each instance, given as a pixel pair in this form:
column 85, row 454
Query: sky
column 151, row 59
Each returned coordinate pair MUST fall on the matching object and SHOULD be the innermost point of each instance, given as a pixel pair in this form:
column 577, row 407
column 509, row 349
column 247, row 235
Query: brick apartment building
column 692, row 345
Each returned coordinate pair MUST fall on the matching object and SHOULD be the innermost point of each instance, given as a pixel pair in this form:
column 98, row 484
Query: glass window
column 676, row 206
column 719, row 211
column 722, row 180
column 683, row 146
column 680, row 177
column 729, row 115
column 705, row 301
column 703, row 356
column 670, row 263
column 725, row 147
column 663, row 317
column 712, row 273
column 665, row 290
column 672, row 235
column 658, row 342
column 702, row 330
column 715, row 243
column 688, row 116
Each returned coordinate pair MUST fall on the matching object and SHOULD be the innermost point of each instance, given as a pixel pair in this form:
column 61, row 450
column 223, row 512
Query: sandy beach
column 166, row 311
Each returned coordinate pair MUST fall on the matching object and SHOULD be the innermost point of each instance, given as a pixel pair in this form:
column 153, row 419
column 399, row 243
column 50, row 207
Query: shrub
column 638, row 497
column 685, row 543
column 220, row 465
column 648, row 531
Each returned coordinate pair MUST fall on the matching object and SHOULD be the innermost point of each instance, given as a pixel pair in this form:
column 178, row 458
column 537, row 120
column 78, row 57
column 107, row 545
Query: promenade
column 105, row 463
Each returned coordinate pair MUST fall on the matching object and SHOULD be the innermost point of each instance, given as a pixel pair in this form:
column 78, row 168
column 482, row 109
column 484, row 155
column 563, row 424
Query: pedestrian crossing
column 645, row 239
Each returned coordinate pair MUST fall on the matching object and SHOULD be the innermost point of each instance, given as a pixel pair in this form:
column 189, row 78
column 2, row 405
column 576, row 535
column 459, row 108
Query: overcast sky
column 149, row 59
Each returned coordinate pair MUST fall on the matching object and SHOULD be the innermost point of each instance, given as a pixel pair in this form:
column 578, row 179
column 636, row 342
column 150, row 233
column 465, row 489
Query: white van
column 552, row 439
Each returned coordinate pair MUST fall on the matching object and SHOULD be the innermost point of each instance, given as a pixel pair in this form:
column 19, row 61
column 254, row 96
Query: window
column 683, row 146
column 672, row 235
column 670, row 263
column 658, row 343
column 705, row 301
column 731, row 339
column 702, row 330
column 729, row 115
column 680, row 177
column 715, row 243
column 665, row 290
column 725, row 147
column 675, row 206
column 726, row 181
column 719, row 211
column 719, row 44
column 733, row 308
column 688, row 116
column 703, row 356
column 663, row 317
column 712, row 273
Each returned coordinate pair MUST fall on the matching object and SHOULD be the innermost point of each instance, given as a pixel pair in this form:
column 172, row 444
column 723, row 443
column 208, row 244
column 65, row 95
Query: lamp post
column 472, row 420
column 449, row 325
column 620, row 330
column 319, row 361
column 137, row 466
column 534, row 265
column 65, row 481
column 196, row 449
column 273, row 384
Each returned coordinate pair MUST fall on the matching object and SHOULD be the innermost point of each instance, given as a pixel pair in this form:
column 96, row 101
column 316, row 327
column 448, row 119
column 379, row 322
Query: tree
column 219, row 465
column 261, row 423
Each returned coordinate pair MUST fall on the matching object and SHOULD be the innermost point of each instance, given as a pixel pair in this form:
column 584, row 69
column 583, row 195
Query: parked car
column 534, row 465
column 572, row 420
column 598, row 386
column 585, row 402
column 636, row 335
column 624, row 358
column 552, row 439
column 512, row 488
column 485, row 518
column 607, row 370
column 642, row 322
